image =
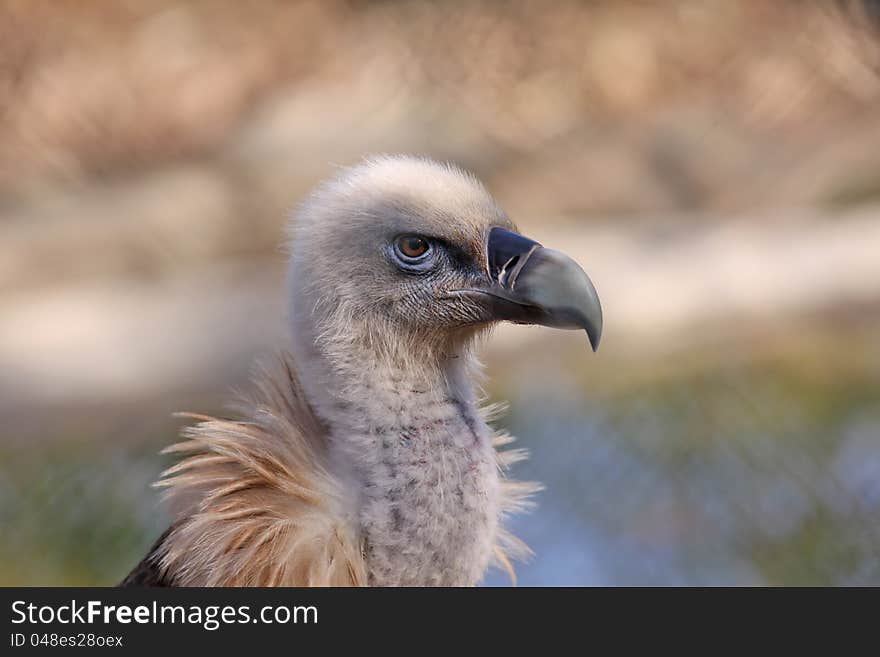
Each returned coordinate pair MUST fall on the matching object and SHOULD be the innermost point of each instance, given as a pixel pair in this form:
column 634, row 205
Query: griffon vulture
column 363, row 456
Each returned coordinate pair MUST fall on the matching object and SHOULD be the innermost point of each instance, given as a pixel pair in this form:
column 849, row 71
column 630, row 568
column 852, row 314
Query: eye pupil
column 412, row 247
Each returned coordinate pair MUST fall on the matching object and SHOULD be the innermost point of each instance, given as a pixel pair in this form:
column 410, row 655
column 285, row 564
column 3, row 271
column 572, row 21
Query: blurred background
column 715, row 167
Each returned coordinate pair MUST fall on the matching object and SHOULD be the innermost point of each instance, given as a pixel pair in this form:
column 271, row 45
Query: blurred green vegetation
column 753, row 470
column 761, row 468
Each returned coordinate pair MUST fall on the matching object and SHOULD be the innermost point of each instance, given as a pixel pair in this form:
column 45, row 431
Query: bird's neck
column 407, row 435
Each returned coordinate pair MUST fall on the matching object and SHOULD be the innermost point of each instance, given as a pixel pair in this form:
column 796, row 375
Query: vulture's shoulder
column 148, row 572
column 254, row 501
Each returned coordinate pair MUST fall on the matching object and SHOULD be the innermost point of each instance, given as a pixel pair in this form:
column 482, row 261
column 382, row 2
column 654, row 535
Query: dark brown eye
column 412, row 247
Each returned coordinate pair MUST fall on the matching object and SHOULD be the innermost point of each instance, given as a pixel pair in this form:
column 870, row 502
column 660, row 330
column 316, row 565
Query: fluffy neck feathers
column 407, row 436
column 344, row 470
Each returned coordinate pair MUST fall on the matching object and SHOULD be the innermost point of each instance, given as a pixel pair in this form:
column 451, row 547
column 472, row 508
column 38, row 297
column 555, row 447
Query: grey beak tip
column 594, row 335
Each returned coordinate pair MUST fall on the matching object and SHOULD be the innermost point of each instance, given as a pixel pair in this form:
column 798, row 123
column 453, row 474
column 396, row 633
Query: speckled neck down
column 420, row 456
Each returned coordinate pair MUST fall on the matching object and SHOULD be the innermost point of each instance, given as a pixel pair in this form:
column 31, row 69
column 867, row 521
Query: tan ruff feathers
column 255, row 503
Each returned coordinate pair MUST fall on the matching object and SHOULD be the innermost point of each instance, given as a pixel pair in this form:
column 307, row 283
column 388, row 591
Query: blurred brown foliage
column 102, row 87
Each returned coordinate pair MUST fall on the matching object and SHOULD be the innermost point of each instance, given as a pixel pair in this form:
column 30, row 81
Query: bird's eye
column 412, row 248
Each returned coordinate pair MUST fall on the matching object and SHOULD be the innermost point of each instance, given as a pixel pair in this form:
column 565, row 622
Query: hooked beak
column 530, row 284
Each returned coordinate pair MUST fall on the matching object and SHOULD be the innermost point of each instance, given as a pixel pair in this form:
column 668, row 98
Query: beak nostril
column 506, row 253
column 505, row 269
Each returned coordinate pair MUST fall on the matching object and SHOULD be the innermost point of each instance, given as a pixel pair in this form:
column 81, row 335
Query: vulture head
column 411, row 258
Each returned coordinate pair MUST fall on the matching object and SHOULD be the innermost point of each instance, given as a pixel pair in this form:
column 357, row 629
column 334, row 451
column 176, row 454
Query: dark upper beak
column 533, row 285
